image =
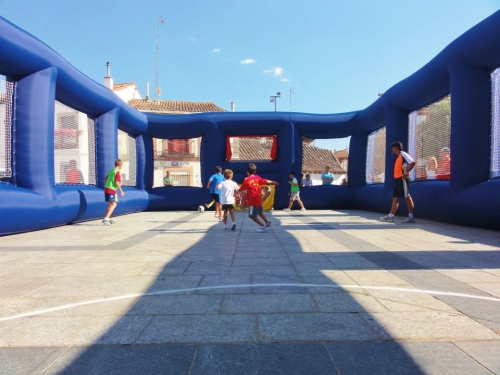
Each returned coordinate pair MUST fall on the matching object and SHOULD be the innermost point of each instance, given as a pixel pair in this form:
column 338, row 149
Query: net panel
column 74, row 147
column 180, row 158
column 429, row 140
column 375, row 157
column 317, row 154
column 495, row 124
column 128, row 154
column 6, row 105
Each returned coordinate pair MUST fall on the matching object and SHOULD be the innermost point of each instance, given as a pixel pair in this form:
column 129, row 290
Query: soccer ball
column 201, row 209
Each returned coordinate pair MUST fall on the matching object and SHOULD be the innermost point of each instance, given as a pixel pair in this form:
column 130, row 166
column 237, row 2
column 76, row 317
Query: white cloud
column 284, row 79
column 275, row 71
column 248, row 61
column 216, row 50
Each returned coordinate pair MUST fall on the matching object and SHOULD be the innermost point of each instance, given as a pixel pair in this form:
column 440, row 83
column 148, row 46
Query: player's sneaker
column 262, row 229
column 268, row 224
column 225, row 227
column 409, row 220
column 387, row 219
column 286, row 209
column 112, row 222
column 106, row 222
column 216, row 214
column 302, row 210
column 233, row 227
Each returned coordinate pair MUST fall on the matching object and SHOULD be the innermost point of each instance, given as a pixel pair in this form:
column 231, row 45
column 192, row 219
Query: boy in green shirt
column 112, row 183
column 294, row 193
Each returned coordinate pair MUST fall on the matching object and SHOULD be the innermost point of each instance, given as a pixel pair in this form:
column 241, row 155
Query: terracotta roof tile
column 252, row 149
column 342, row 154
column 173, row 106
column 314, row 159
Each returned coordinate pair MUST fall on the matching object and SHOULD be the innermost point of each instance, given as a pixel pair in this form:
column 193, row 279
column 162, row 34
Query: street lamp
column 291, row 91
column 273, row 99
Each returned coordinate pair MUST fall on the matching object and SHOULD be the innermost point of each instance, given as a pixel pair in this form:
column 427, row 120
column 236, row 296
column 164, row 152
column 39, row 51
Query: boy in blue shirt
column 215, row 180
column 327, row 177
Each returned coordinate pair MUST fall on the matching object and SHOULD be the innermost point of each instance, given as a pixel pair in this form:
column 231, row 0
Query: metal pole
column 158, row 38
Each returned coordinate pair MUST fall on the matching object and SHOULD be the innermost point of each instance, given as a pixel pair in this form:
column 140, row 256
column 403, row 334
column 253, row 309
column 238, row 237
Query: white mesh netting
column 495, row 124
column 74, row 147
column 128, row 155
column 429, row 140
column 375, row 157
column 6, row 104
column 180, row 158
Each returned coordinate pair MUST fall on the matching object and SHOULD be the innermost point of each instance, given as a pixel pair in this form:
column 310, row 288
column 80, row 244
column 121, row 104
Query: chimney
column 232, row 107
column 147, row 90
column 108, row 81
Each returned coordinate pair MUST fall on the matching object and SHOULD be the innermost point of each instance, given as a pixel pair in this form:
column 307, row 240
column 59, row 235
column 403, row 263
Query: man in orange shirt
column 252, row 185
column 402, row 166
column 73, row 175
column 443, row 168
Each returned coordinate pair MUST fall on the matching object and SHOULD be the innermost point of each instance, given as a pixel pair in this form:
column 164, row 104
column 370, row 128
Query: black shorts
column 227, row 207
column 401, row 188
column 216, row 197
column 254, row 211
column 111, row 198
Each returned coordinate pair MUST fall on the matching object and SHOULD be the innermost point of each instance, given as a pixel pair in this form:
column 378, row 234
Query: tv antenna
column 158, row 39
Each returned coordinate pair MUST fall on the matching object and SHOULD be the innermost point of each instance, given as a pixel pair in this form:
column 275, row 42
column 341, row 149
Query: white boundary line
column 174, row 291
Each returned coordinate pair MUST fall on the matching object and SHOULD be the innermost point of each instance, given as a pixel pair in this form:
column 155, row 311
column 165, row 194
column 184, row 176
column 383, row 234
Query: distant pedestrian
column 327, row 177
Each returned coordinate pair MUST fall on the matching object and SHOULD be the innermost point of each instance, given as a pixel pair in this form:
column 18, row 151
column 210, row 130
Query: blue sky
column 337, row 55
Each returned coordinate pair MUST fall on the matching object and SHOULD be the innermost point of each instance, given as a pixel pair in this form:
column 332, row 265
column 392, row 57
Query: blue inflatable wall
column 33, row 200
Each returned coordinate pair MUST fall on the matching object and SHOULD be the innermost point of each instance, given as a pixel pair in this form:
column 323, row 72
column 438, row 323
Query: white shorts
column 295, row 196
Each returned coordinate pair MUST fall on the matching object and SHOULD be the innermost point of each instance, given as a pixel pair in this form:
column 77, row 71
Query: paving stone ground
column 323, row 292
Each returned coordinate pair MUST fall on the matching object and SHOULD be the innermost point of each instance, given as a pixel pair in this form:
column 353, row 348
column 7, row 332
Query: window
column 177, row 162
column 251, row 148
column 495, row 124
column 6, row 104
column 429, row 140
column 128, row 154
column 317, row 154
column 375, row 157
column 74, row 146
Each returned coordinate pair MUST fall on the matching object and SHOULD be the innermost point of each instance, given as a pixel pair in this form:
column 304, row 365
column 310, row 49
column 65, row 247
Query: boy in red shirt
column 252, row 185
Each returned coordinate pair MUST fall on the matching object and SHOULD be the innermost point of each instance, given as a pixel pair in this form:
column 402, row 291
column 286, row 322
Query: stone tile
column 14, row 287
column 207, row 268
column 200, row 329
column 307, row 257
column 21, row 361
column 100, row 270
column 161, row 268
column 401, row 358
column 348, row 303
column 314, row 327
column 487, row 353
column 225, row 280
column 259, row 254
column 352, row 262
column 401, row 301
column 313, row 268
column 377, row 278
column 267, row 270
column 436, row 326
column 125, row 360
column 268, row 303
column 275, row 359
column 261, row 262
column 263, row 284
column 183, row 304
